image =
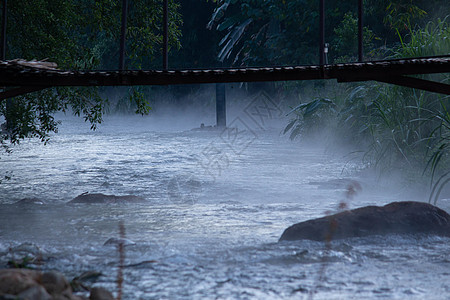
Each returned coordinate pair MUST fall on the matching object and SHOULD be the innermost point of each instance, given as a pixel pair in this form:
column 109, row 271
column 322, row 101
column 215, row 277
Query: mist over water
column 216, row 203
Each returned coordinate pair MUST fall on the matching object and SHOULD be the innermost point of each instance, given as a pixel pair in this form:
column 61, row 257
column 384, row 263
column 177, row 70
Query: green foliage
column 433, row 39
column 265, row 32
column 40, row 29
column 24, row 263
column 401, row 15
column 398, row 127
column 345, row 42
column 440, row 149
column 286, row 32
column 309, row 116
column 277, row 32
column 144, row 30
column 438, row 187
column 79, row 35
column 198, row 45
column 134, row 100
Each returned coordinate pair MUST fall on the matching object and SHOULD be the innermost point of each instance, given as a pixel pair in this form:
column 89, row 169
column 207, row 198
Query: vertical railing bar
column 165, row 35
column 9, row 102
column 123, row 34
column 360, row 31
column 3, row 37
column 321, row 32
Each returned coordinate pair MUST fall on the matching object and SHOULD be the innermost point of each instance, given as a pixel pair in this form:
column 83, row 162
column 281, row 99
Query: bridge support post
column 221, row 109
column 4, row 16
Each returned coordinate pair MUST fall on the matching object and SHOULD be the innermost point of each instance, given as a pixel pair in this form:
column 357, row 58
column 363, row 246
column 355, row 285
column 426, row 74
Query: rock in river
column 31, row 284
column 406, row 217
column 116, row 241
column 102, row 198
column 30, row 201
column 25, row 284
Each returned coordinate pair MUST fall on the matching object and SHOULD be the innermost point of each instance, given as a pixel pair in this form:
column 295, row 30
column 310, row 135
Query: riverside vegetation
column 398, row 127
column 242, row 33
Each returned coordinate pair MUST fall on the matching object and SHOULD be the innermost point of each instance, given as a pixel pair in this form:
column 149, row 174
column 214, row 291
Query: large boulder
column 102, row 198
column 30, row 284
column 395, row 218
column 24, row 284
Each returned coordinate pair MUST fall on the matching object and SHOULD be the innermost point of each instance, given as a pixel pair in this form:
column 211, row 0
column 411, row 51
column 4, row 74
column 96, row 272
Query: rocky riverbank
column 25, row 284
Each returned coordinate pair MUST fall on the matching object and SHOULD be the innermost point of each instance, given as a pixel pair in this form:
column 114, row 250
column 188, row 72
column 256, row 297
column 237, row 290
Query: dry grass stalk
column 352, row 189
column 121, row 250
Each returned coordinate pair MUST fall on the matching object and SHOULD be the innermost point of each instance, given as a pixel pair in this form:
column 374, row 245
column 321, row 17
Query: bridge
column 33, row 76
column 21, row 77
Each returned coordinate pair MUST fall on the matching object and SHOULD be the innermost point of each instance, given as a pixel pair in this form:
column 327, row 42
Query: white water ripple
column 211, row 221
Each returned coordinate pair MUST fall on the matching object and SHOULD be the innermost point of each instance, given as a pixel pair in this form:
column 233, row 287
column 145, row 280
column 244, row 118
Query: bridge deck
column 29, row 77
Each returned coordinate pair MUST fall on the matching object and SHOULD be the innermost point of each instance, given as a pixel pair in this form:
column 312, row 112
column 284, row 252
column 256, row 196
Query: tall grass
column 433, row 39
column 433, row 117
column 399, row 127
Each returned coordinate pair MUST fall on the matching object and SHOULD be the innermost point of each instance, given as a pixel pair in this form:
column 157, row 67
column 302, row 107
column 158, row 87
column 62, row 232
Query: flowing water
column 216, row 204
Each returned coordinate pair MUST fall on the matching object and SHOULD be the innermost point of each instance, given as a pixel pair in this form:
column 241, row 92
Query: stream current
column 216, row 204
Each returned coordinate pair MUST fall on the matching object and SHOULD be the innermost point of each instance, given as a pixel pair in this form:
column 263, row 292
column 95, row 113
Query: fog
column 216, row 202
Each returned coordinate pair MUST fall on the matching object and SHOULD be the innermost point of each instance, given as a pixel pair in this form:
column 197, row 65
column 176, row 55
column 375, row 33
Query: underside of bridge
column 22, row 77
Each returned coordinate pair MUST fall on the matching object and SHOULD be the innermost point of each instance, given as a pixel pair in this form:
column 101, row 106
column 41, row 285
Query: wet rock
column 56, row 284
column 81, row 283
column 24, row 284
column 117, row 241
column 102, row 198
column 99, row 293
column 88, row 276
column 205, row 128
column 36, row 292
column 30, row 201
column 395, row 218
column 15, row 281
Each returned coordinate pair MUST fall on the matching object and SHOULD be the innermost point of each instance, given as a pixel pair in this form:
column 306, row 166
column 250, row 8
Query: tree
column 275, row 32
column 79, row 35
column 265, row 32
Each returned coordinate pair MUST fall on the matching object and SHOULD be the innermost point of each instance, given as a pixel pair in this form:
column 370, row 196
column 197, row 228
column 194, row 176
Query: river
column 216, row 204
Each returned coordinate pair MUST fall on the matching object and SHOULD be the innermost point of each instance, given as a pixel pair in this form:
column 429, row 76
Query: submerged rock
column 204, row 128
column 102, row 198
column 340, row 183
column 30, row 201
column 395, row 218
column 116, row 241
